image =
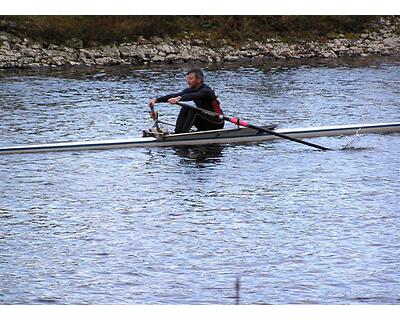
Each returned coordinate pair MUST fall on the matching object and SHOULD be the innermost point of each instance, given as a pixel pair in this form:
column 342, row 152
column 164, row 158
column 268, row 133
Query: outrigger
column 243, row 133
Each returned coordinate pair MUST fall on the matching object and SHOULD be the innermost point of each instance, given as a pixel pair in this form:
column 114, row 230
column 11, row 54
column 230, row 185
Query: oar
column 246, row 124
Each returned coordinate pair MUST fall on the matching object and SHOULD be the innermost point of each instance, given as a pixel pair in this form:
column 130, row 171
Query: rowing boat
column 225, row 136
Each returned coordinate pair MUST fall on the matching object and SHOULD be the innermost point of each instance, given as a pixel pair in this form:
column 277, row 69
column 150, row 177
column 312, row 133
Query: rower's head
column 194, row 78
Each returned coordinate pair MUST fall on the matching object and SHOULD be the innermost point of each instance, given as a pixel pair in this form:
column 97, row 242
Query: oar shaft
column 244, row 123
column 285, row 136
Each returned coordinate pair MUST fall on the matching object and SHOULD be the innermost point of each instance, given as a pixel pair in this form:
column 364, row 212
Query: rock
column 248, row 53
column 197, row 42
column 38, row 59
column 54, row 53
column 74, row 43
column 53, row 46
column 276, row 55
column 337, row 42
column 167, row 49
column 109, row 51
column 6, row 45
column 69, row 50
column 230, row 58
column 37, row 46
column 28, row 52
column 107, row 61
column 142, row 40
column 73, row 63
column 156, row 40
column 147, row 51
column 59, row 61
column 86, row 54
column 158, row 59
column 128, row 51
column 392, row 41
column 5, row 54
column 35, row 65
column 268, row 46
column 329, row 54
column 311, row 47
column 173, row 57
column 185, row 56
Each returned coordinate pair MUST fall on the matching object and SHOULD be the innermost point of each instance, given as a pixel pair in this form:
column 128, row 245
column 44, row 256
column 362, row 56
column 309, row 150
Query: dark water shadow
column 200, row 155
column 355, row 149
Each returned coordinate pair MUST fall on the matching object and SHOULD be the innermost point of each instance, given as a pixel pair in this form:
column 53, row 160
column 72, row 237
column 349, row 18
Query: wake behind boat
column 225, row 136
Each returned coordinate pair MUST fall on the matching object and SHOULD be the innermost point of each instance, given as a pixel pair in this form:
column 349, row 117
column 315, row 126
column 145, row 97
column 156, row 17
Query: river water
column 181, row 225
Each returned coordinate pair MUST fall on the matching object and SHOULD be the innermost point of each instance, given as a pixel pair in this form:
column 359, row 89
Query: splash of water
column 352, row 139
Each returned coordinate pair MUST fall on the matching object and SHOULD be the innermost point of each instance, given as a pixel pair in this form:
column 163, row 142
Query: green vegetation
column 106, row 29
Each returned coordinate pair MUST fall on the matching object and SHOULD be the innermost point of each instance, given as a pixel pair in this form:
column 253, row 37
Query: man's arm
column 172, row 95
column 165, row 98
column 168, row 96
column 203, row 93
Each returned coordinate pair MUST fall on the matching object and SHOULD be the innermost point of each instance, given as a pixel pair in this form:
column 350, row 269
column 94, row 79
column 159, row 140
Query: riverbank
column 20, row 52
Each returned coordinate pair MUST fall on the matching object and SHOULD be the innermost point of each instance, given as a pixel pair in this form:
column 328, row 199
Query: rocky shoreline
column 16, row 52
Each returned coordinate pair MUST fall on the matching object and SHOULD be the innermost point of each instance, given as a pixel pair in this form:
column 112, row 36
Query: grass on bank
column 108, row 29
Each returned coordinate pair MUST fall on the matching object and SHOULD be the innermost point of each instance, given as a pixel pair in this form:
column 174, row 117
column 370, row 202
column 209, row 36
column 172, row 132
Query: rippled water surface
column 180, row 225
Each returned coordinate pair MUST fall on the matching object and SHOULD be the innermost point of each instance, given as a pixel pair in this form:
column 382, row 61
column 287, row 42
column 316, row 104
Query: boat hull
column 226, row 136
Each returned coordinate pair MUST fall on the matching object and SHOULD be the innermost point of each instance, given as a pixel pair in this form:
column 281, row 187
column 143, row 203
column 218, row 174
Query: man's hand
column 152, row 102
column 174, row 100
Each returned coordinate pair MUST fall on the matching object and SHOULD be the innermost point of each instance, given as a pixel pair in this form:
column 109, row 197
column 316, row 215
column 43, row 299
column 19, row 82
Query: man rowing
column 203, row 96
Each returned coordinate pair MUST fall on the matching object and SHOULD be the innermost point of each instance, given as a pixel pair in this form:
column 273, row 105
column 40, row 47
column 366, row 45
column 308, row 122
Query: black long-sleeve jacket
column 203, row 97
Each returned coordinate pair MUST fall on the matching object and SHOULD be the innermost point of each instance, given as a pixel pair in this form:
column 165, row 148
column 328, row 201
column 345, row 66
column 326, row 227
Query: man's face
column 192, row 81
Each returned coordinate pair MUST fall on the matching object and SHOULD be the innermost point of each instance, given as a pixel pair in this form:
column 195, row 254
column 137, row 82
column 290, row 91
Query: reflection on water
column 200, row 154
column 179, row 225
